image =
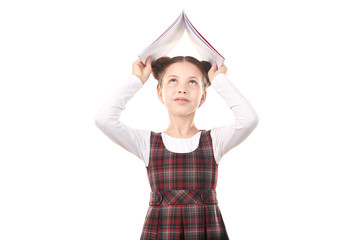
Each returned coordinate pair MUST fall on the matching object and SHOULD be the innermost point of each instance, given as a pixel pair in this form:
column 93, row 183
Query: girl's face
column 182, row 90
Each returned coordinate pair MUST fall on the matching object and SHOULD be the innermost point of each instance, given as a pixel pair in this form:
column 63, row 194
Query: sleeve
column 108, row 121
column 245, row 119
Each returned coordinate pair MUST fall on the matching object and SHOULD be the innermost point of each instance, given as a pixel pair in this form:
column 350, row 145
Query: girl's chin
column 182, row 113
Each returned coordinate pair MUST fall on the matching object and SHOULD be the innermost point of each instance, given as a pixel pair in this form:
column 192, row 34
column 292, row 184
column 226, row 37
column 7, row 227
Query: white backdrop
column 297, row 62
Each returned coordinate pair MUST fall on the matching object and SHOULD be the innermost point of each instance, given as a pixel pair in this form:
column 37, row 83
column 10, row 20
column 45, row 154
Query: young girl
column 181, row 161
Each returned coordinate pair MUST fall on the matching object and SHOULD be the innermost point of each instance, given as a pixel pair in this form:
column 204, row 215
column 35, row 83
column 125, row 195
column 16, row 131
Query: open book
column 168, row 40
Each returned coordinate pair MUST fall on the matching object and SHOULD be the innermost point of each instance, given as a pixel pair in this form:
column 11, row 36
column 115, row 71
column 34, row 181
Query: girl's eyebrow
column 175, row 76
column 170, row 76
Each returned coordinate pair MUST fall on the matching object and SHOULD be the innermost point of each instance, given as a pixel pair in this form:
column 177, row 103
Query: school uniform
column 182, row 172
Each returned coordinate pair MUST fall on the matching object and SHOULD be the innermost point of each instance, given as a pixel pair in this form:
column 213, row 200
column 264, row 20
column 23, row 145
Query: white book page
column 167, row 41
column 205, row 50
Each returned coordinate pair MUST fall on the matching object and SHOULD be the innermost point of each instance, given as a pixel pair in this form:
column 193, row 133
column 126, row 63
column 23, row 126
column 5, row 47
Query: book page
column 206, row 51
column 167, row 41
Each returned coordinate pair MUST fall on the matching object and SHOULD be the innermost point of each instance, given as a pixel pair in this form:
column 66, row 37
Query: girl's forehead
column 183, row 69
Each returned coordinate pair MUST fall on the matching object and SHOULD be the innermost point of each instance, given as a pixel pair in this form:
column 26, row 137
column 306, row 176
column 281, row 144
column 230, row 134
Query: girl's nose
column 182, row 91
column 182, row 88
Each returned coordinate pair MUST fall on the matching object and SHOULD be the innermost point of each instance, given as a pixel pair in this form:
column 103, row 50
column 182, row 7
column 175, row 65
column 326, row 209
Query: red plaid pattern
column 183, row 202
column 182, row 197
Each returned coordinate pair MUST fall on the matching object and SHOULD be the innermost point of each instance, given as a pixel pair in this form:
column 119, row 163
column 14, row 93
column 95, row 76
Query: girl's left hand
column 213, row 72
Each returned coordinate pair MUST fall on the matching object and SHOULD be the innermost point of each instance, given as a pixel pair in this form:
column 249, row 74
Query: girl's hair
column 159, row 66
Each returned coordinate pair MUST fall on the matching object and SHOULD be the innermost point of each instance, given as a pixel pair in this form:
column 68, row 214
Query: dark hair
column 159, row 66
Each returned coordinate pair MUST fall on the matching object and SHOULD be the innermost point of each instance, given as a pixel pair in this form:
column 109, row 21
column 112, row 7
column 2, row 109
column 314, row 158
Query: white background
column 297, row 62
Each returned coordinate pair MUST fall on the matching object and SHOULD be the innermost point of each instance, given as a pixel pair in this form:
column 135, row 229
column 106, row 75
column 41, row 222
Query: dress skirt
column 190, row 222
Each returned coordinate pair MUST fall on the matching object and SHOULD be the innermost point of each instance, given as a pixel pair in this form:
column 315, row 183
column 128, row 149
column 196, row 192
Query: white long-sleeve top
column 137, row 141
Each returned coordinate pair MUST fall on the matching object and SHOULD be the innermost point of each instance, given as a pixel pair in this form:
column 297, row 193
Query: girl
column 181, row 161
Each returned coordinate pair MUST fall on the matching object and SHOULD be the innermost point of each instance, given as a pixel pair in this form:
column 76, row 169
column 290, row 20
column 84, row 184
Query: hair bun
column 206, row 65
column 158, row 65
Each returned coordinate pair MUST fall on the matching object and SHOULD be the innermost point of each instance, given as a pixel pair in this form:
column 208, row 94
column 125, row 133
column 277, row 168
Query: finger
column 147, row 68
column 213, row 67
column 148, row 61
column 223, row 69
column 136, row 62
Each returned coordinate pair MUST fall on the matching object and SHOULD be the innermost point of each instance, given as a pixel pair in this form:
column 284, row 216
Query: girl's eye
column 173, row 80
column 193, row 82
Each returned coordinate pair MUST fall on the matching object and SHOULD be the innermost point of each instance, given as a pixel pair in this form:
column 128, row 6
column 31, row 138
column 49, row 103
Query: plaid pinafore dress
column 183, row 202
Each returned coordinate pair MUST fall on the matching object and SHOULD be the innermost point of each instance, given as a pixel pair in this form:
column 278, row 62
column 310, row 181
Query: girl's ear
column 160, row 96
column 203, row 98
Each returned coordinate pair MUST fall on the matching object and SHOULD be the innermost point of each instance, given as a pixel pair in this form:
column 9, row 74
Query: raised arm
column 245, row 119
column 108, row 117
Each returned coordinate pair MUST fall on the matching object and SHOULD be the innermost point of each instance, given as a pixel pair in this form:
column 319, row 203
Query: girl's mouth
column 181, row 100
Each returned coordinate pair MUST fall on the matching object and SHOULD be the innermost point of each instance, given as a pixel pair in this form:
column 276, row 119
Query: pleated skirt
column 190, row 222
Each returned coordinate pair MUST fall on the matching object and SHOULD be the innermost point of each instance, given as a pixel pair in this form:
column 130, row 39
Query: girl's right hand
column 142, row 71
